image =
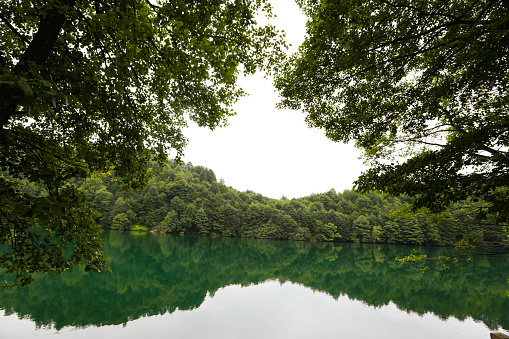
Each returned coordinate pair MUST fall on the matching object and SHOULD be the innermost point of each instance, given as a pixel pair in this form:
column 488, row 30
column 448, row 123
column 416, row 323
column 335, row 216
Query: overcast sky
column 272, row 151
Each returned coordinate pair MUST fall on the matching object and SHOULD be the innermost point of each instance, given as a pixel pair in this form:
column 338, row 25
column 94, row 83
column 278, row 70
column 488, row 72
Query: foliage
column 139, row 228
column 90, row 86
column 46, row 242
column 120, row 222
column 422, row 88
column 182, row 200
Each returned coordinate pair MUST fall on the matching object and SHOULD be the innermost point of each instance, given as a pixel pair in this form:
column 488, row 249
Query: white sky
column 272, row 151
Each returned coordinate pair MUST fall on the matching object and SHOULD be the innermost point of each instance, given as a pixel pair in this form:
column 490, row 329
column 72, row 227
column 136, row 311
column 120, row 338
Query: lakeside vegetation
column 187, row 199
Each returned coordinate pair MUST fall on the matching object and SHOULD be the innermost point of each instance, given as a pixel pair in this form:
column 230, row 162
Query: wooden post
column 498, row 335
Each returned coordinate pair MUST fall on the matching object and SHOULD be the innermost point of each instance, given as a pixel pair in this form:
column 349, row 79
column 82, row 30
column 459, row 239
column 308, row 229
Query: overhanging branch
column 14, row 30
column 35, row 56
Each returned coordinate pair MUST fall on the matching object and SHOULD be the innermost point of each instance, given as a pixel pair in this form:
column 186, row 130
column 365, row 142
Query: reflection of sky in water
column 269, row 310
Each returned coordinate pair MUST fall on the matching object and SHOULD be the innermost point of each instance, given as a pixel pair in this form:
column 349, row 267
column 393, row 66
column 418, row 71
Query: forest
column 420, row 87
column 186, row 199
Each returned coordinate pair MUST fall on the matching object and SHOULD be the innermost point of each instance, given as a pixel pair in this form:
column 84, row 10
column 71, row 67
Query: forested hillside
column 189, row 199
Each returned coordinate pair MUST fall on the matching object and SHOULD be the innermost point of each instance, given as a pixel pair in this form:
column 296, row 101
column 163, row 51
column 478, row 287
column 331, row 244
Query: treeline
column 188, row 199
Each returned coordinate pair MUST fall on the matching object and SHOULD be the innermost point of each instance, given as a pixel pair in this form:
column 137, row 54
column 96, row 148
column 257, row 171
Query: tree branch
column 153, row 6
column 35, row 56
column 15, row 31
column 418, row 10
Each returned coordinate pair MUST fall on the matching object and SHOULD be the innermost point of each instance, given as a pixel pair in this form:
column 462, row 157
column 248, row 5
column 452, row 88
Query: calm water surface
column 190, row 287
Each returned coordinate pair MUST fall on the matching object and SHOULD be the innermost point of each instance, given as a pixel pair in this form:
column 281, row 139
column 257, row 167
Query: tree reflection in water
column 158, row 274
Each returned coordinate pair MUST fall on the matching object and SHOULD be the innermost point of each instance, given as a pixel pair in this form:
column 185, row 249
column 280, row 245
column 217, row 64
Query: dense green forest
column 187, row 199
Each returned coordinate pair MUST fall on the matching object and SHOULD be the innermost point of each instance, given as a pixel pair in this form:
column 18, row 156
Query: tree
column 98, row 196
column 422, row 88
column 201, row 222
column 362, row 229
column 89, row 86
column 121, row 222
column 171, row 223
column 326, row 232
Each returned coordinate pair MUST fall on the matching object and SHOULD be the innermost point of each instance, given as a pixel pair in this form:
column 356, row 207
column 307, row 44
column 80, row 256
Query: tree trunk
column 34, row 57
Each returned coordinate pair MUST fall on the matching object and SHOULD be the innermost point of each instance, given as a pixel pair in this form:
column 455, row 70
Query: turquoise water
column 191, row 287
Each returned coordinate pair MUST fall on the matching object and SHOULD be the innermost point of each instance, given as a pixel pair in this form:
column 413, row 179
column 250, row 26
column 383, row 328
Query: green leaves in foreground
column 89, row 86
column 420, row 86
column 49, row 232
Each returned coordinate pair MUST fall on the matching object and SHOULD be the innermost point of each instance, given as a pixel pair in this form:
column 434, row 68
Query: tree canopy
column 88, row 86
column 422, row 87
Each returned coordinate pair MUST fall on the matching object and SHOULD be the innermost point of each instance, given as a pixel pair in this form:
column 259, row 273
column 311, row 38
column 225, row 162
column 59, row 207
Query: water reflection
column 156, row 275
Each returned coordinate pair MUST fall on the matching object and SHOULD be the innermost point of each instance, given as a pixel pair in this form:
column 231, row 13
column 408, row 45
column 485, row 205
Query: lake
column 197, row 287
